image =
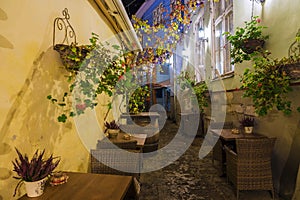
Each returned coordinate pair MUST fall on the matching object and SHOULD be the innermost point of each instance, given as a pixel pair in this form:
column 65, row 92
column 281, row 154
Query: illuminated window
column 223, row 15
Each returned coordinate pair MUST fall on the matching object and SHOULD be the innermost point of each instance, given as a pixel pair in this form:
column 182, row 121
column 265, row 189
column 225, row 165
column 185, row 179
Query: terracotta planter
column 251, row 45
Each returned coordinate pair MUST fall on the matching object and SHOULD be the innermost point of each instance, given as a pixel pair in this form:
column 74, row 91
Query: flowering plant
column 268, row 85
column 106, row 69
column 246, row 40
column 247, row 121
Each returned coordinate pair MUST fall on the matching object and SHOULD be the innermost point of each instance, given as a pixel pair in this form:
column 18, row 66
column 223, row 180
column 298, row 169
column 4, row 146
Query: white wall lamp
column 201, row 35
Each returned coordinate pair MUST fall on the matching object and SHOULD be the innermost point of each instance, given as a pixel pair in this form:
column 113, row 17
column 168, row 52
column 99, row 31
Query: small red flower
column 258, row 20
column 81, row 106
column 259, row 84
column 121, row 78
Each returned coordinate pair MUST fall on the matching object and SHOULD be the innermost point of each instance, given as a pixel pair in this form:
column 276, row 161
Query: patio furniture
column 218, row 153
column 145, row 123
column 90, row 186
column 249, row 168
column 226, row 137
column 123, row 144
column 118, row 161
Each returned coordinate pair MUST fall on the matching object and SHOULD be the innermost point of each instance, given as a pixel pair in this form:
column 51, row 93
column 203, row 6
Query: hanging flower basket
column 251, row 45
column 72, row 55
column 293, row 70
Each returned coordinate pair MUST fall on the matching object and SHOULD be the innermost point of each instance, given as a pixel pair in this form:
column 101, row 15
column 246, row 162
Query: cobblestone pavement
column 190, row 178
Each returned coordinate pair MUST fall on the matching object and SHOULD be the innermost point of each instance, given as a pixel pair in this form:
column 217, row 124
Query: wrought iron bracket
column 294, row 48
column 62, row 24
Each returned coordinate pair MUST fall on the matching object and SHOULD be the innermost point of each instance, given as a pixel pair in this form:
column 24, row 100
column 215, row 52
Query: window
column 223, row 15
column 199, row 62
column 158, row 14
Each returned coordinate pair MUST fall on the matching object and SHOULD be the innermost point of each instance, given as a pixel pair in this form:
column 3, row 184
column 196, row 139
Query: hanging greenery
column 268, row 84
column 99, row 72
column 246, row 40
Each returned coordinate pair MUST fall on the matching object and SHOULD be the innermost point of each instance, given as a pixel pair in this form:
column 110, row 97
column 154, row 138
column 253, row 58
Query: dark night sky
column 132, row 6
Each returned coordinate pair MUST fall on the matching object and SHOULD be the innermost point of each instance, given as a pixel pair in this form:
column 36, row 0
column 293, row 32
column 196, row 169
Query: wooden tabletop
column 88, row 186
column 140, row 138
column 141, row 114
column 227, row 135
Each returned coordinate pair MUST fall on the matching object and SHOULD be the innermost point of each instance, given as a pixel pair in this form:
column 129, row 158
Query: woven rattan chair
column 218, row 153
column 106, row 144
column 120, row 159
column 250, row 167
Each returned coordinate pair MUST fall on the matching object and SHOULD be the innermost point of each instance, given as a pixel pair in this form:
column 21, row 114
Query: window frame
column 221, row 49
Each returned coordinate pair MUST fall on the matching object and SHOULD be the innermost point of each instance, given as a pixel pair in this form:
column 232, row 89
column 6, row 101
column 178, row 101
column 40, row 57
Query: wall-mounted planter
column 293, row 70
column 72, row 55
column 251, row 45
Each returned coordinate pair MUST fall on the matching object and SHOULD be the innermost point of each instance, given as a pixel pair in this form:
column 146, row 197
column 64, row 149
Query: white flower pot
column 36, row 188
column 113, row 133
column 248, row 129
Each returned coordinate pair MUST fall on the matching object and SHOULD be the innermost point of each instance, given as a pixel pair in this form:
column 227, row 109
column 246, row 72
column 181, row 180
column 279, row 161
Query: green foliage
column 137, row 100
column 251, row 31
column 268, row 85
column 201, row 92
column 135, row 95
column 184, row 80
column 100, row 71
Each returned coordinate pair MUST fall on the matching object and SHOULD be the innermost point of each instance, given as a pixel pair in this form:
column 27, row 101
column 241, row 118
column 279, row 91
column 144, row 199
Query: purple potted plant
column 35, row 172
column 112, row 128
column 248, row 124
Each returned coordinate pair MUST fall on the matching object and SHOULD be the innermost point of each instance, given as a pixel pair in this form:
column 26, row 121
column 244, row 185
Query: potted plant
column 248, row 124
column 246, row 40
column 35, row 172
column 112, row 128
column 73, row 55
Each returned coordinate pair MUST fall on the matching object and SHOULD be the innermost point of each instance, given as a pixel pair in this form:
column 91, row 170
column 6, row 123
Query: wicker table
column 88, row 186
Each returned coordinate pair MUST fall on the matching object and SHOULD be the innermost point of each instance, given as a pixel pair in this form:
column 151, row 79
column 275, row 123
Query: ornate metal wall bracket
column 71, row 54
column 293, row 69
column 294, row 48
column 62, row 24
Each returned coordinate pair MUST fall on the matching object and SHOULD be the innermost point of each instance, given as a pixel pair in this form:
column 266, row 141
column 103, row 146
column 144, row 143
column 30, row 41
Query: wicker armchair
column 218, row 152
column 121, row 162
column 107, row 144
column 250, row 167
column 126, row 163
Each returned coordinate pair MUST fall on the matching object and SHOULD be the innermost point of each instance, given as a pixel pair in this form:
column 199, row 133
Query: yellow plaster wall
column 29, row 71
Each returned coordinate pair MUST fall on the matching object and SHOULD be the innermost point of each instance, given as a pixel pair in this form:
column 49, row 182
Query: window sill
column 224, row 76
